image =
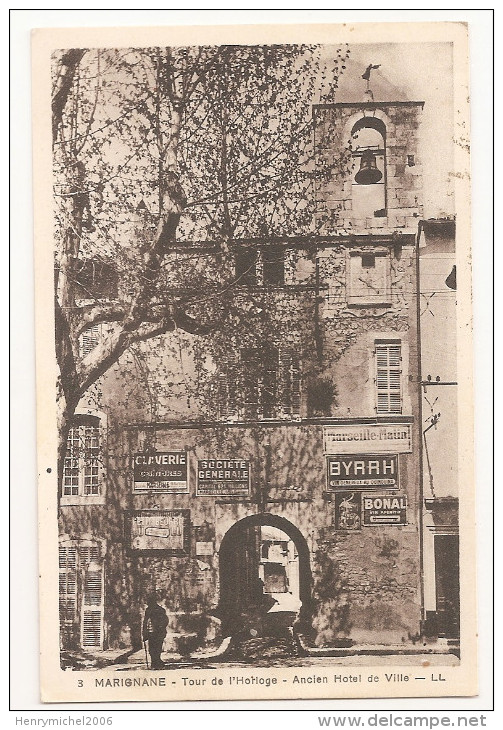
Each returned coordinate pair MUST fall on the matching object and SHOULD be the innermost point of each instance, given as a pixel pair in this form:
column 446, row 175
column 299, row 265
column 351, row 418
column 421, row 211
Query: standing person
column 154, row 630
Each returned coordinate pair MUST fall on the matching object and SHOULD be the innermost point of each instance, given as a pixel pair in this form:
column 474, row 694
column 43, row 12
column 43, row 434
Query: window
column 83, row 472
column 88, row 340
column 81, row 594
column 273, row 262
column 265, row 266
column 246, row 266
column 388, row 377
column 261, row 383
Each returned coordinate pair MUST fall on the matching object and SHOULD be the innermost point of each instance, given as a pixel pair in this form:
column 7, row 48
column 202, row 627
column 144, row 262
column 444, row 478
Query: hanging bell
column 369, row 173
column 451, row 279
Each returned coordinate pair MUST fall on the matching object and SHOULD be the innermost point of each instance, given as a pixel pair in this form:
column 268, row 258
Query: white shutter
column 388, row 378
column 92, row 600
column 67, row 583
column 89, row 339
column 226, row 389
column 290, row 395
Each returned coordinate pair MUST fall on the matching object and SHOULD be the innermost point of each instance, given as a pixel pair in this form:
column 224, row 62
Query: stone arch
column 238, row 564
column 370, row 116
column 370, row 199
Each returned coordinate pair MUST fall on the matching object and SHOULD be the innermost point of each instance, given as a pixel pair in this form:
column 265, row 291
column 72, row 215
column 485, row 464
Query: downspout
column 420, row 429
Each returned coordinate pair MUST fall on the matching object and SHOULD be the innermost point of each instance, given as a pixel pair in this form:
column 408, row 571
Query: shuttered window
column 89, row 339
column 83, row 458
column 81, row 603
column 246, row 266
column 67, row 583
column 264, row 383
column 289, row 367
column 388, row 377
column 273, row 263
column 264, row 266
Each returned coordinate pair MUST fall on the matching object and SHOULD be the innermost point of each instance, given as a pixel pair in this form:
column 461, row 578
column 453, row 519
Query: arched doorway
column 264, row 570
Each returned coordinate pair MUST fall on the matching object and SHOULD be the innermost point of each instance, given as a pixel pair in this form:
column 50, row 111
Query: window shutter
column 388, row 378
column 290, row 382
column 251, row 369
column 296, row 387
column 246, row 266
column 273, row 262
column 92, row 603
column 268, row 387
column 225, row 389
column 222, row 394
column 91, row 628
column 89, row 339
column 67, row 583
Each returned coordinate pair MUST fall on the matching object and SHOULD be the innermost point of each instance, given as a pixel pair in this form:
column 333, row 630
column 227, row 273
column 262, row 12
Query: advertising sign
column 365, row 472
column 363, row 439
column 159, row 530
column 384, row 510
column 160, row 471
column 347, row 511
column 230, row 477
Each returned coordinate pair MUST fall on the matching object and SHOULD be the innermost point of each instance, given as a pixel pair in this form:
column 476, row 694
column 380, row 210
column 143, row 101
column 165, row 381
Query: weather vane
column 366, row 76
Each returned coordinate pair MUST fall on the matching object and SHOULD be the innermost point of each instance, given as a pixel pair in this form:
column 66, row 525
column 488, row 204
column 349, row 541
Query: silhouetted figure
column 154, row 630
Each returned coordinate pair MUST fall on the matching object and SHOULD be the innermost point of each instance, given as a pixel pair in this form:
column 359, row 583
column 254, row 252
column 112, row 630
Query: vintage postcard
column 254, row 362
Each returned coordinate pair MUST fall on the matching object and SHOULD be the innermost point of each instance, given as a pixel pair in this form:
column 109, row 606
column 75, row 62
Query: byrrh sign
column 389, row 438
column 362, row 472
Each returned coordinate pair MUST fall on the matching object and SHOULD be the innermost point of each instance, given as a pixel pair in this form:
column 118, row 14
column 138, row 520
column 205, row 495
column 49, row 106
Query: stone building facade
column 290, row 467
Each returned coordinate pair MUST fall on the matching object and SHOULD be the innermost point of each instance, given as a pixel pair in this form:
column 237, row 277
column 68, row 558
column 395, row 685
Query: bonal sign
column 160, row 471
column 362, row 472
column 384, row 510
column 217, row 477
column 165, row 531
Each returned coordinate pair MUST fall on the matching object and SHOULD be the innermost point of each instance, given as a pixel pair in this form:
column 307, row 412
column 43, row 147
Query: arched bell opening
column 265, row 576
column 368, row 144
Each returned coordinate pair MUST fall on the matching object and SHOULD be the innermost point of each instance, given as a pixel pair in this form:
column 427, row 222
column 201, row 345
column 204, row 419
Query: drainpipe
column 317, row 326
column 419, row 429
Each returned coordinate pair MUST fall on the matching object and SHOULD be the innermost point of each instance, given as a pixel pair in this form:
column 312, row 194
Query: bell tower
column 370, row 171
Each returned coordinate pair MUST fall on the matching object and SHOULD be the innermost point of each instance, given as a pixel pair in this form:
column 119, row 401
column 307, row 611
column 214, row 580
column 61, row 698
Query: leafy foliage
column 165, row 160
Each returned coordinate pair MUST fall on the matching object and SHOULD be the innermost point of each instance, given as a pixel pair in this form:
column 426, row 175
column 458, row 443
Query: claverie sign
column 160, row 471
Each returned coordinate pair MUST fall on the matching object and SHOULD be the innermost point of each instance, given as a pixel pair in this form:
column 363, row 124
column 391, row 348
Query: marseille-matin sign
column 394, row 438
column 364, row 472
column 161, row 471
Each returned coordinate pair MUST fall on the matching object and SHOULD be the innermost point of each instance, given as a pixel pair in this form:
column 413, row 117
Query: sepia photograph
column 254, row 362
